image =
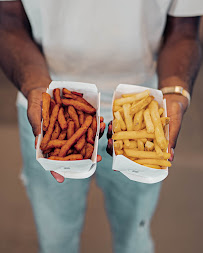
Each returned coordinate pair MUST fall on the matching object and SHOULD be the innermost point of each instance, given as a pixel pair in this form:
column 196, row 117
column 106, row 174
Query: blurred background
column 178, row 222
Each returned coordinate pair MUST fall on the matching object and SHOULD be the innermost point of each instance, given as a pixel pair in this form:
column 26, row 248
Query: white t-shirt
column 104, row 42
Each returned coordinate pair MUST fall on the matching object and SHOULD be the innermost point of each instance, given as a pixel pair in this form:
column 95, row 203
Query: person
column 151, row 43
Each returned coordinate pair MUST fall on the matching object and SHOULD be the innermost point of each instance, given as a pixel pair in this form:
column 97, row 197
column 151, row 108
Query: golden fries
column 138, row 120
column 69, row 129
column 120, row 120
column 128, row 117
column 138, row 130
column 145, row 154
column 148, row 122
column 159, row 132
column 140, row 105
column 126, row 135
column 131, row 99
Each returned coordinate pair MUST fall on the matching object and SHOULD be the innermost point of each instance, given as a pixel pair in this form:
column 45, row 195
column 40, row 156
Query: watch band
column 177, row 90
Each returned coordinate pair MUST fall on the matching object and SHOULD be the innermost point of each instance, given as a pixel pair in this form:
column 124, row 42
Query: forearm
column 21, row 60
column 179, row 62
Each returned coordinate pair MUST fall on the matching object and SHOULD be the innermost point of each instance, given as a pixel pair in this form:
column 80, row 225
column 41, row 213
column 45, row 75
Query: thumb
column 57, row 176
column 34, row 110
column 174, row 129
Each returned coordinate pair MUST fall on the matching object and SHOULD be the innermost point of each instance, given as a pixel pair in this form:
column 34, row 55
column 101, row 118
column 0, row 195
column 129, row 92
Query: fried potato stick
column 79, row 106
column 77, row 93
column 165, row 121
column 56, row 131
column 131, row 99
column 124, row 135
column 81, row 117
column 161, row 110
column 158, row 149
column 52, row 104
column 148, row 122
column 72, row 157
column 145, row 154
column 116, row 126
column 128, row 117
column 143, row 94
column 50, row 129
column 77, row 98
column 154, row 162
column 80, row 143
column 88, row 151
column 159, row 132
column 119, row 152
column 76, row 136
column 73, row 115
column 141, row 104
column 46, row 98
column 126, row 143
column 71, row 129
column 140, row 145
column 90, row 136
column 62, row 135
column 56, row 95
column 94, row 125
column 55, row 152
column 83, row 151
column 132, row 145
column 61, row 119
column 152, row 166
column 138, row 119
column 55, row 144
column 120, row 120
column 65, row 91
column 118, row 144
column 149, row 146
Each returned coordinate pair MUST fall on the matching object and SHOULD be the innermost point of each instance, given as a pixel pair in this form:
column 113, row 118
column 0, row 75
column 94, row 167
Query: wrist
column 38, row 86
column 177, row 99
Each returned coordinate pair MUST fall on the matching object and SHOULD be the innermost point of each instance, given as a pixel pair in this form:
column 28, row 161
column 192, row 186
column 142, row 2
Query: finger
column 109, row 133
column 102, row 128
column 36, row 140
column 57, row 176
column 171, row 151
column 99, row 158
column 101, row 119
column 109, row 147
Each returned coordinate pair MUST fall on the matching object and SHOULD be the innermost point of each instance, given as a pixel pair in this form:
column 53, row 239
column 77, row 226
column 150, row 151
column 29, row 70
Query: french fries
column 69, row 125
column 46, row 98
column 139, row 130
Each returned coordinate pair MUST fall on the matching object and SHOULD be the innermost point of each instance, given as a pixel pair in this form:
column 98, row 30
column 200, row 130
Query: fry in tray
column 62, row 120
column 69, row 125
column 79, row 106
column 50, row 129
column 56, row 95
column 72, row 157
column 145, row 142
column 45, row 110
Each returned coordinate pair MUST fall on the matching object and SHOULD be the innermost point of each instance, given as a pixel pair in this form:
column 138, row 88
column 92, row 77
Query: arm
column 24, row 64
column 178, row 64
column 21, row 59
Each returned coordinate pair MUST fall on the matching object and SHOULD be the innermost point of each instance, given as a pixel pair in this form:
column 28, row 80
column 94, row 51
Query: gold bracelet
column 176, row 90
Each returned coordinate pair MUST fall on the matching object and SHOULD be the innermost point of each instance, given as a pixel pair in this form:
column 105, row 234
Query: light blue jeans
column 59, row 208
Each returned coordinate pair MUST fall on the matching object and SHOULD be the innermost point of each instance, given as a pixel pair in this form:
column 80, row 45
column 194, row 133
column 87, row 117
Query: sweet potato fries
column 69, row 126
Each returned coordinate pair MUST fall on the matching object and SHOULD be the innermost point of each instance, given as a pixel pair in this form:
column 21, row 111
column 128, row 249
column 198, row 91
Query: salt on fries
column 139, row 130
column 69, row 125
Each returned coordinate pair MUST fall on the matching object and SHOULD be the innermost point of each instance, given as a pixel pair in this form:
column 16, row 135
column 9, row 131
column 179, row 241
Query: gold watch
column 176, row 90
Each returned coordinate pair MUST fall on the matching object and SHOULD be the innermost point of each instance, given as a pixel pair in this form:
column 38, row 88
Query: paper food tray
column 127, row 167
column 73, row 169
